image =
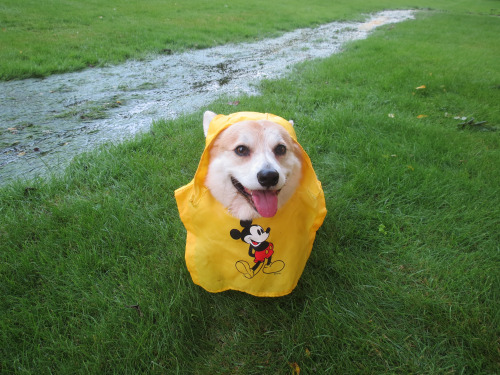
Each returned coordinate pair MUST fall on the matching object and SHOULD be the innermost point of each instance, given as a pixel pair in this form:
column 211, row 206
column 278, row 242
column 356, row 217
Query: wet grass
column 43, row 38
column 404, row 274
column 91, row 110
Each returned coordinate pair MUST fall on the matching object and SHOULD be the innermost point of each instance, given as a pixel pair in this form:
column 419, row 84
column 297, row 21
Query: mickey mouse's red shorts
column 262, row 255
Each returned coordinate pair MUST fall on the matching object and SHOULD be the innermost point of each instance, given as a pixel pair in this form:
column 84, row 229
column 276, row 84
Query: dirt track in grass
column 44, row 123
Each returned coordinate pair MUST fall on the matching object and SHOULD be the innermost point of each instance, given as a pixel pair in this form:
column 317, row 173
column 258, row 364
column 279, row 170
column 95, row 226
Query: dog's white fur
column 261, row 139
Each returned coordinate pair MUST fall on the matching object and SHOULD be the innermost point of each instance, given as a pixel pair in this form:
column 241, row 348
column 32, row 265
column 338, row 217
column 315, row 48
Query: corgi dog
column 254, row 167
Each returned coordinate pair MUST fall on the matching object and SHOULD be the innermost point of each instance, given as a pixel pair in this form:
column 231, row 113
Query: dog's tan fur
column 261, row 138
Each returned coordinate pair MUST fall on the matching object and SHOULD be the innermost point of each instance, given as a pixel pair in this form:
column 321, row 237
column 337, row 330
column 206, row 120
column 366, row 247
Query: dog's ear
column 291, row 122
column 207, row 117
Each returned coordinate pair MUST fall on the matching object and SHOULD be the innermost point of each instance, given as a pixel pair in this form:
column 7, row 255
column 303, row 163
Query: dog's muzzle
column 265, row 202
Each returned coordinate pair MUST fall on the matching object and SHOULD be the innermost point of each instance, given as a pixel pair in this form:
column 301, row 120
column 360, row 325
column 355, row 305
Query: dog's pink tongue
column 266, row 202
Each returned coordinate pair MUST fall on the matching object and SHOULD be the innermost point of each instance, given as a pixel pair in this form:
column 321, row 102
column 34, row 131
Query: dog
column 254, row 168
column 254, row 185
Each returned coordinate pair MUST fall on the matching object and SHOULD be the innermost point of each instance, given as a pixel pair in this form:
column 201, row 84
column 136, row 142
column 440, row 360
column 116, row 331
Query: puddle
column 46, row 122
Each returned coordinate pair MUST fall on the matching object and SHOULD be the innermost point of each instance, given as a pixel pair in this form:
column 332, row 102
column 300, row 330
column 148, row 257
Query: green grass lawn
column 404, row 274
column 39, row 38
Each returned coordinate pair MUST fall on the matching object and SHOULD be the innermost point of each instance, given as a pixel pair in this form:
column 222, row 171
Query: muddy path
column 44, row 123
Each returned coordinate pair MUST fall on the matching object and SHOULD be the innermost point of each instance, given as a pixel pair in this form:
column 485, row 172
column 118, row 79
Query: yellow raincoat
column 265, row 257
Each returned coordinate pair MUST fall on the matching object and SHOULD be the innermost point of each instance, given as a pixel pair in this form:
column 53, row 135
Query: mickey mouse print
column 259, row 249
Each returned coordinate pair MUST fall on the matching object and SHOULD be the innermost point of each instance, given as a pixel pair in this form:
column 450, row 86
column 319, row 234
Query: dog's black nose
column 268, row 177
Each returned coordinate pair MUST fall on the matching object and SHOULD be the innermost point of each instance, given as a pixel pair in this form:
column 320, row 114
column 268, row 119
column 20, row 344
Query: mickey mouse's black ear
column 246, row 223
column 235, row 234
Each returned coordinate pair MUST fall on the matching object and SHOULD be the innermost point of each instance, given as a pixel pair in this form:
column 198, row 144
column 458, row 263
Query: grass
column 39, row 38
column 92, row 110
column 404, row 274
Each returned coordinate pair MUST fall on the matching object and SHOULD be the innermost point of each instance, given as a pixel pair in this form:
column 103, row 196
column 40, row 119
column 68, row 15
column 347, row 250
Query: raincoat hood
column 264, row 257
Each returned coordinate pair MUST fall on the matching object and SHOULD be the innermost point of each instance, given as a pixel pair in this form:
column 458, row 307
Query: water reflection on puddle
column 44, row 123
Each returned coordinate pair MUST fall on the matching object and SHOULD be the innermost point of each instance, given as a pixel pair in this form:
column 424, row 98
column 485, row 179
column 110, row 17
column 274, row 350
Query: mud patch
column 46, row 122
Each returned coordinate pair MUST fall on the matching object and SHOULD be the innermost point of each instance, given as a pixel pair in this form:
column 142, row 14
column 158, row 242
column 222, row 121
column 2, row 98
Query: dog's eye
column 280, row 150
column 242, row 150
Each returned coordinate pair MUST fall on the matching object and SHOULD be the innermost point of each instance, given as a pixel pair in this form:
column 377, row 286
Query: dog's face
column 255, row 167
